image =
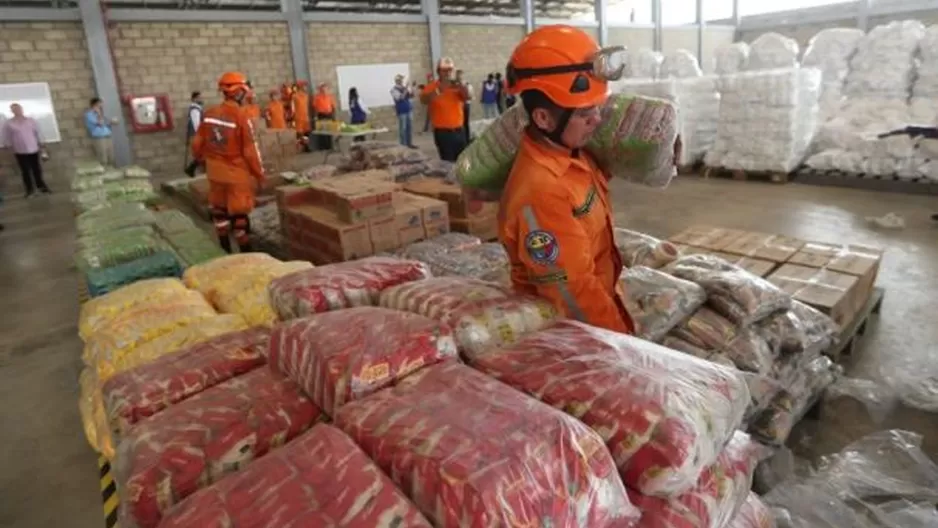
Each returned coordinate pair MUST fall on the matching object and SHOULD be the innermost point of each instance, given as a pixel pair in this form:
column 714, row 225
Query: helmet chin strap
column 556, row 135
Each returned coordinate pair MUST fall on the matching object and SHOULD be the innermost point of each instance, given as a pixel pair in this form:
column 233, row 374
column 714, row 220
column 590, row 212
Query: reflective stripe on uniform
column 219, row 122
column 572, row 306
column 254, row 142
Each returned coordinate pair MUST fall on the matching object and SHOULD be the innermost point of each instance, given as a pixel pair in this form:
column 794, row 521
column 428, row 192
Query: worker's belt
column 455, row 130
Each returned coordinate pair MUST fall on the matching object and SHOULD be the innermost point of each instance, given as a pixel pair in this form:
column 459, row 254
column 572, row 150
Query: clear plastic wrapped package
column 113, row 217
column 709, row 331
column 657, row 302
column 342, row 285
column 223, row 271
column 133, row 395
column 731, row 58
column 343, row 356
column 166, row 458
column 639, row 249
column 88, row 167
column 476, row 261
column 830, row 51
column 98, row 311
column 665, row 416
column 106, row 250
column 773, row 425
column 925, row 89
column 426, row 250
column 884, row 63
column 320, row 479
column 173, row 221
column 718, row 496
column 644, row 63
column 680, row 63
column 753, row 514
column 195, row 246
column 135, row 171
column 93, row 415
column 463, row 446
column 248, row 295
column 482, row 314
column 486, row 162
column 772, row 51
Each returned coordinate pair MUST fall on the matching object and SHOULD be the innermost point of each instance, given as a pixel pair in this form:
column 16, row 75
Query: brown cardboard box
column 384, row 234
column 330, row 238
column 835, row 294
column 356, row 199
column 860, row 261
column 485, row 228
column 707, row 237
column 459, row 206
column 434, row 211
column 755, row 266
column 408, row 218
column 777, row 248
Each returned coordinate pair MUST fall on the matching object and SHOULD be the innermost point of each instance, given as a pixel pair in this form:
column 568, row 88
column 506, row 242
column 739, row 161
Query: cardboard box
column 776, row 248
column 755, row 266
column 459, row 206
column 836, row 294
column 408, row 219
column 485, row 228
column 707, row 237
column 356, row 199
column 435, row 215
column 328, row 237
column 384, row 235
column 860, row 261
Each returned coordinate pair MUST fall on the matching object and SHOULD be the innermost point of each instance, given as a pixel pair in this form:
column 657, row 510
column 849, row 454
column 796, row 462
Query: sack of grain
column 221, row 273
column 98, row 311
column 248, row 297
column 475, row 262
column 639, row 249
column 657, row 302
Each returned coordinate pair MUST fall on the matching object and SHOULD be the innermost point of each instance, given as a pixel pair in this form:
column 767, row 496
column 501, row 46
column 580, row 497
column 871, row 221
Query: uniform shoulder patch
column 542, row 246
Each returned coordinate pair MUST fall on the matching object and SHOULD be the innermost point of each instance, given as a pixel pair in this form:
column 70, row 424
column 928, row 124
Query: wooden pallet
column 692, row 168
column 852, row 333
column 744, row 175
column 871, row 182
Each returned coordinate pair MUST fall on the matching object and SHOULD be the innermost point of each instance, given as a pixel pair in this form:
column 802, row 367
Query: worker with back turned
column 225, row 143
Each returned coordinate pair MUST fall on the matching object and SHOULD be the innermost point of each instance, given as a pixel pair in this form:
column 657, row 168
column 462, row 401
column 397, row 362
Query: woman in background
column 358, row 112
column 490, row 97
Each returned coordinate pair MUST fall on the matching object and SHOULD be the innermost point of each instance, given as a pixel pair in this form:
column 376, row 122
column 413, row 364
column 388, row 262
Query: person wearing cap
column 251, row 108
column 275, row 114
column 324, row 105
column 445, row 98
column 301, row 121
column 402, row 94
column 555, row 220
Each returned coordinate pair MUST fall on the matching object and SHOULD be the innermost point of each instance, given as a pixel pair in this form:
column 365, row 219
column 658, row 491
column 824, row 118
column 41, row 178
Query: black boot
column 225, row 243
column 190, row 169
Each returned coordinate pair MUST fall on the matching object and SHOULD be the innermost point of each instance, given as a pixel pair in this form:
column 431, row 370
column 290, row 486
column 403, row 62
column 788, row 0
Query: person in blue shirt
column 490, row 97
column 99, row 128
column 402, row 94
column 358, row 112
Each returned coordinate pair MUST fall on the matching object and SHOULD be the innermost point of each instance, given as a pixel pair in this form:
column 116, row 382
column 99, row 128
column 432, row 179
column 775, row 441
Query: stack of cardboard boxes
column 356, row 215
column 472, row 217
column 836, row 279
column 277, row 149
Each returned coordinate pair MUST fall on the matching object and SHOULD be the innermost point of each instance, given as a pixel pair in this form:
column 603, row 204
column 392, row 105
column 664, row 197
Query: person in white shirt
column 196, row 108
column 402, row 94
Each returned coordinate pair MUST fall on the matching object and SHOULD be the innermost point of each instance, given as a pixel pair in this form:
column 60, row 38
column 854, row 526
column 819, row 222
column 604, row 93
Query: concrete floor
column 49, row 476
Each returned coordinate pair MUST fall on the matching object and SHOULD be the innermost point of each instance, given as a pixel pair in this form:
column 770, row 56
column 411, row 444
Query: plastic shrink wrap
column 712, row 333
column 100, row 310
column 644, row 63
column 343, row 356
column 782, row 104
column 93, row 416
column 914, row 378
column 797, row 330
column 753, row 514
column 248, row 297
column 463, row 446
column 426, row 250
column 773, row 425
column 159, row 264
column 482, row 314
column 657, row 302
column 639, row 249
column 320, row 479
column 477, row 262
column 205, row 276
column 830, row 51
column 717, row 498
column 924, row 103
column 112, row 218
column 106, row 250
column 680, row 63
column 173, row 221
column 731, row 58
column 771, row 51
column 195, row 246
column 133, row 395
column 884, row 64
column 665, row 416
column 195, row 443
column 342, row 285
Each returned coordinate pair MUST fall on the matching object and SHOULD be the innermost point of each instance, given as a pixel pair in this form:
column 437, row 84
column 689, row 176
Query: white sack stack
column 772, row 51
column 925, row 89
column 731, row 58
column 830, row 51
column 644, row 64
column 884, row 63
column 680, row 64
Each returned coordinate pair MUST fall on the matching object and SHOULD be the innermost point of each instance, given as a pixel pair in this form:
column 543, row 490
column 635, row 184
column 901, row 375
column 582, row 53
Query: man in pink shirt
column 21, row 133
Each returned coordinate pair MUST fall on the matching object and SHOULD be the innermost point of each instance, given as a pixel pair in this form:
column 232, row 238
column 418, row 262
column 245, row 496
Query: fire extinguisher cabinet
column 149, row 113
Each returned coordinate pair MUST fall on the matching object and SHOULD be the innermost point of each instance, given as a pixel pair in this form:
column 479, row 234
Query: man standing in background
column 404, row 108
column 467, row 105
column 445, row 100
column 275, row 114
column 500, row 93
column 99, row 128
column 301, row 122
column 196, row 107
column 324, row 105
column 22, row 135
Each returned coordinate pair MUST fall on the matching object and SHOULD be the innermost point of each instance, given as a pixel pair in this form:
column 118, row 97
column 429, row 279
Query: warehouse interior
column 127, row 48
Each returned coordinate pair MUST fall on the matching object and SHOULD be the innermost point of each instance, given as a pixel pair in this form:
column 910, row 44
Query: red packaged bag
column 188, row 446
column 342, row 285
column 717, row 497
column 135, row 394
column 473, row 453
column 343, row 356
column 664, row 415
column 753, row 514
column 321, row 479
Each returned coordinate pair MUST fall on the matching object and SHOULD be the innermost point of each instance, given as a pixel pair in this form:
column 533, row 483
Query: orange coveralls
column 276, row 115
column 301, row 122
column 225, row 141
column 556, row 225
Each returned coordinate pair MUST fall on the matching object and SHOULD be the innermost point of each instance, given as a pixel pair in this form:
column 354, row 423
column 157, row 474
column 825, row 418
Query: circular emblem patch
column 542, row 246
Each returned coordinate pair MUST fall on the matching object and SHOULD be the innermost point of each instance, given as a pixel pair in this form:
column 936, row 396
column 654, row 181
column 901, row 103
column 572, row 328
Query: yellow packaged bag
column 206, row 277
column 98, row 311
column 197, row 332
column 142, row 324
column 248, row 295
column 93, row 417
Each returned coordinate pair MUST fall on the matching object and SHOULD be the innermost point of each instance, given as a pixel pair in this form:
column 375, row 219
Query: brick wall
column 178, row 58
column 480, row 50
column 53, row 53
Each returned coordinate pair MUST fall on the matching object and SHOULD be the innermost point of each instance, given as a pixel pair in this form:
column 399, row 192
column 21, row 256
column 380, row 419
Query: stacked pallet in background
column 471, row 217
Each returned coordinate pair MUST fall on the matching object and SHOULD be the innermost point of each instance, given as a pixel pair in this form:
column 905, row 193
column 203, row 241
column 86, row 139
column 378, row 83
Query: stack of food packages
column 644, row 63
column 459, row 254
column 698, row 99
column 634, row 141
column 830, row 51
column 680, row 64
column 401, row 161
column 704, row 306
column 731, row 58
column 772, row 51
column 95, row 186
column 191, row 243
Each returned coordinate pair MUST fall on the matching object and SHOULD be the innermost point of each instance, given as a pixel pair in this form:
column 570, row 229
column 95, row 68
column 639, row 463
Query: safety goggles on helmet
column 608, row 64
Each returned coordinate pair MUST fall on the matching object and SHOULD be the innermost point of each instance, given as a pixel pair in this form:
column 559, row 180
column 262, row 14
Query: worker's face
column 445, row 74
column 17, row 110
column 580, row 127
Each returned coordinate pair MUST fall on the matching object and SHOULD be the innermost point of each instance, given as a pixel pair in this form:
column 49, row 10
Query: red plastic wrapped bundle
column 321, row 479
column 190, row 445
column 753, row 514
column 716, row 499
column 664, row 415
column 133, row 395
column 342, row 285
column 343, row 356
column 482, row 314
column 472, row 452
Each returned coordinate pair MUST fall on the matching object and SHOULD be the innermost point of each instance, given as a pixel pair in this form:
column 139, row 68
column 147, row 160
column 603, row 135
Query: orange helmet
column 566, row 65
column 232, row 83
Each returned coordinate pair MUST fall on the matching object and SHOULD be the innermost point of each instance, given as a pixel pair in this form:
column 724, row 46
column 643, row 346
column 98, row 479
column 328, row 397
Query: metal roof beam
column 39, row 14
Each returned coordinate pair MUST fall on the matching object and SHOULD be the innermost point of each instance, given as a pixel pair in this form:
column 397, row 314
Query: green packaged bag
column 113, row 217
column 173, row 221
column 194, row 246
column 87, row 168
column 105, row 280
column 117, row 247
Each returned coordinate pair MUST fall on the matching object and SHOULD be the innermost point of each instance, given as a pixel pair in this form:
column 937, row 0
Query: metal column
column 736, row 20
column 293, row 15
column 105, row 79
column 701, row 24
column 431, row 10
column 527, row 12
column 658, row 41
column 863, row 14
column 602, row 16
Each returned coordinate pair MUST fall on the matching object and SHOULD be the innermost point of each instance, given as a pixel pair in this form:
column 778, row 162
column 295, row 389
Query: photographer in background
column 445, row 99
column 21, row 134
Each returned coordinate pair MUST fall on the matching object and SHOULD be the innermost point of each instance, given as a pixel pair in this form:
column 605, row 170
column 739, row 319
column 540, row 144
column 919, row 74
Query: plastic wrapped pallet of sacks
column 781, row 104
column 343, row 356
column 771, row 51
column 320, row 479
column 463, row 446
column 644, row 63
column 753, row 514
column 166, row 458
column 680, row 64
column 883, row 66
column 665, row 416
column 925, row 89
column 482, row 314
column 731, row 58
column 830, row 50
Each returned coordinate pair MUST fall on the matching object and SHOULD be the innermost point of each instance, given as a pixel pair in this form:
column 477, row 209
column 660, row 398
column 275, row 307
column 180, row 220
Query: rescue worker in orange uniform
column 225, row 143
column 445, row 99
column 250, row 106
column 301, row 121
column 555, row 219
column 324, row 105
column 275, row 114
